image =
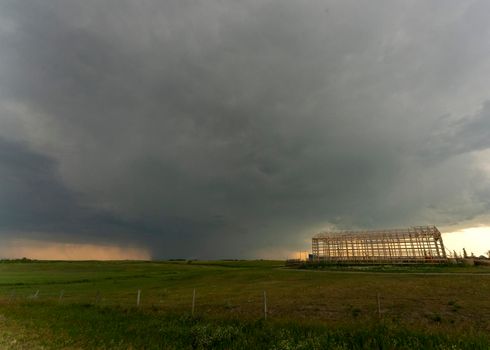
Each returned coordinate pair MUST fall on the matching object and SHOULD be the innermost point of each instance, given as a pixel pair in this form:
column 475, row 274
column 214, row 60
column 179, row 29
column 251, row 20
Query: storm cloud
column 231, row 128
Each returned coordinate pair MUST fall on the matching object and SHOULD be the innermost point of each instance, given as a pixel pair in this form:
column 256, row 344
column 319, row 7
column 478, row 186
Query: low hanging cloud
column 229, row 128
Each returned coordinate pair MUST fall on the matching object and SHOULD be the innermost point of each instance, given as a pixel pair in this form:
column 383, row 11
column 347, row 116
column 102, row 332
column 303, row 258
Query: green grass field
column 87, row 305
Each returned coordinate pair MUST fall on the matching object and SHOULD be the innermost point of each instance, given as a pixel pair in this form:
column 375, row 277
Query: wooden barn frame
column 414, row 245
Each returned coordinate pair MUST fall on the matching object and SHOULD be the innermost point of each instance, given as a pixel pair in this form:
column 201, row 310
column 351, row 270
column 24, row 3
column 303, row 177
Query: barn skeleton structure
column 413, row 245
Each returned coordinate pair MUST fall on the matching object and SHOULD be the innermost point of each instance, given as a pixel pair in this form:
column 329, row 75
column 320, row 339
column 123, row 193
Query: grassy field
column 93, row 305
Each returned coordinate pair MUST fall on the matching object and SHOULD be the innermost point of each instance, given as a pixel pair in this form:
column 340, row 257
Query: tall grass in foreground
column 92, row 305
column 93, row 327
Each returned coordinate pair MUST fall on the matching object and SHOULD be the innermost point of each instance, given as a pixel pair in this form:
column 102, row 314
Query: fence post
column 265, row 305
column 193, row 300
column 12, row 296
column 138, row 298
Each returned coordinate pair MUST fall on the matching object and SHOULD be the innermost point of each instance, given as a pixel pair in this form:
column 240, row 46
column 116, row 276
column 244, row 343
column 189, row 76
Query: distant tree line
column 21, row 260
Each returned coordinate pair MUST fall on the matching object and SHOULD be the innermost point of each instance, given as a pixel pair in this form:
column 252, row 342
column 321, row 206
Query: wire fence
column 260, row 303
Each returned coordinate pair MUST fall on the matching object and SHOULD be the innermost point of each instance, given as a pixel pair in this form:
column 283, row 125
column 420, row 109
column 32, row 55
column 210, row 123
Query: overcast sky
column 222, row 129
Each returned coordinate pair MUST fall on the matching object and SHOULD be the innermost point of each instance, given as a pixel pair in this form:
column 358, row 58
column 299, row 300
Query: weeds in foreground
column 88, row 326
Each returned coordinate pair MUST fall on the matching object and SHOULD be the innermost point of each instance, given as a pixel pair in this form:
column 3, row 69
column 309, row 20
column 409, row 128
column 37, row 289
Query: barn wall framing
column 417, row 244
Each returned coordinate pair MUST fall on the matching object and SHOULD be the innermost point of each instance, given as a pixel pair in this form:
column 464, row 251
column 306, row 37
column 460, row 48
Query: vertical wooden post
column 138, row 298
column 379, row 305
column 265, row 305
column 193, row 300
column 12, row 295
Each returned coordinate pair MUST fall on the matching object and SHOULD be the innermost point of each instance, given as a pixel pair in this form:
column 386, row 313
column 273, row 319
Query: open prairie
column 94, row 305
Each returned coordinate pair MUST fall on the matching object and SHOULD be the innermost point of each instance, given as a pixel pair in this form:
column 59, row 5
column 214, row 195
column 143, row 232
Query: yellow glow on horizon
column 475, row 240
column 70, row 251
column 277, row 254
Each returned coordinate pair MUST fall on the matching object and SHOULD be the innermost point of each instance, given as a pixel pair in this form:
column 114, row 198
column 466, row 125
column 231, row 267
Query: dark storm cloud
column 30, row 190
column 35, row 204
column 470, row 134
column 214, row 129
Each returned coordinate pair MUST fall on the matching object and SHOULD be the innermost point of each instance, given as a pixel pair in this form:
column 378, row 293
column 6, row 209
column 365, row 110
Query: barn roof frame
column 416, row 244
